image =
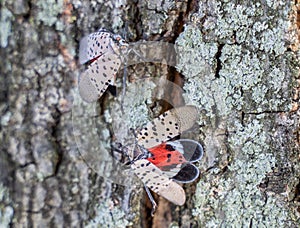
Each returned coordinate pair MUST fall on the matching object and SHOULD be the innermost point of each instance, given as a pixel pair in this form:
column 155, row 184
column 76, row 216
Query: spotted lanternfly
column 160, row 163
column 102, row 51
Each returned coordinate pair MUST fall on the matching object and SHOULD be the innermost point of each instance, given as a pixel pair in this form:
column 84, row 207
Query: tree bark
column 237, row 61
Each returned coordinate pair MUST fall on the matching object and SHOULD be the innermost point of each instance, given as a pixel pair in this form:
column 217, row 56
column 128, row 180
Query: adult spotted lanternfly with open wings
column 161, row 163
column 102, row 50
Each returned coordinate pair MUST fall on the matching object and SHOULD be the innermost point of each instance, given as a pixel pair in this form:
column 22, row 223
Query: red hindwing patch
column 164, row 156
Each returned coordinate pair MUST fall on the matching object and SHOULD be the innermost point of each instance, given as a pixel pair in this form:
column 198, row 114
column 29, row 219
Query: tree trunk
column 237, row 61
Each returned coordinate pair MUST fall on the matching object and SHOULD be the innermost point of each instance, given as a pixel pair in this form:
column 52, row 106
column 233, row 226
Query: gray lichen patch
column 242, row 72
column 234, row 197
column 49, row 10
column 108, row 213
column 135, row 113
column 5, row 25
column 6, row 211
column 93, row 140
column 239, row 71
column 161, row 18
column 113, row 20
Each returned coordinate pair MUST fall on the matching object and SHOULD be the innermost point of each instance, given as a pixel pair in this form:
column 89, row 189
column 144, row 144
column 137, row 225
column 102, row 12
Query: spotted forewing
column 167, row 126
column 99, row 75
column 158, row 182
column 102, row 50
column 95, row 45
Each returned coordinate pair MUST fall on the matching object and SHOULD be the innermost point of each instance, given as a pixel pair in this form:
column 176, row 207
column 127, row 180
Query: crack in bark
column 219, row 64
column 56, row 137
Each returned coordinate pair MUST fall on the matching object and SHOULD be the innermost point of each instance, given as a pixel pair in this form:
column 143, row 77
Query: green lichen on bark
column 240, row 73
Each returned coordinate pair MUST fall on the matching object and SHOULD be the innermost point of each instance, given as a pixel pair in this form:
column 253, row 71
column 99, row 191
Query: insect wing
column 166, row 158
column 99, row 75
column 190, row 149
column 174, row 158
column 94, row 45
column 158, row 182
column 187, row 174
column 167, row 126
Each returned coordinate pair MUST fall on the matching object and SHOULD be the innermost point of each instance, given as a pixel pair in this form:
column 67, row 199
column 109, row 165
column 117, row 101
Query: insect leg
column 154, row 205
column 124, row 86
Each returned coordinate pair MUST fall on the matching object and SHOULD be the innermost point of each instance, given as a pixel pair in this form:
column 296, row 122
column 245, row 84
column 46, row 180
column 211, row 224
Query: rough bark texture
column 236, row 60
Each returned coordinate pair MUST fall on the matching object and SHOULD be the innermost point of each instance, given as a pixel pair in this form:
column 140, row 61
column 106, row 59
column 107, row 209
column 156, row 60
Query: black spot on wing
column 187, row 174
column 193, row 151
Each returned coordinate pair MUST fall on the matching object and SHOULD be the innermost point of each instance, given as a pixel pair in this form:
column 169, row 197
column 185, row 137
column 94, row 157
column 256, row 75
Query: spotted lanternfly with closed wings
column 102, row 52
column 160, row 163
